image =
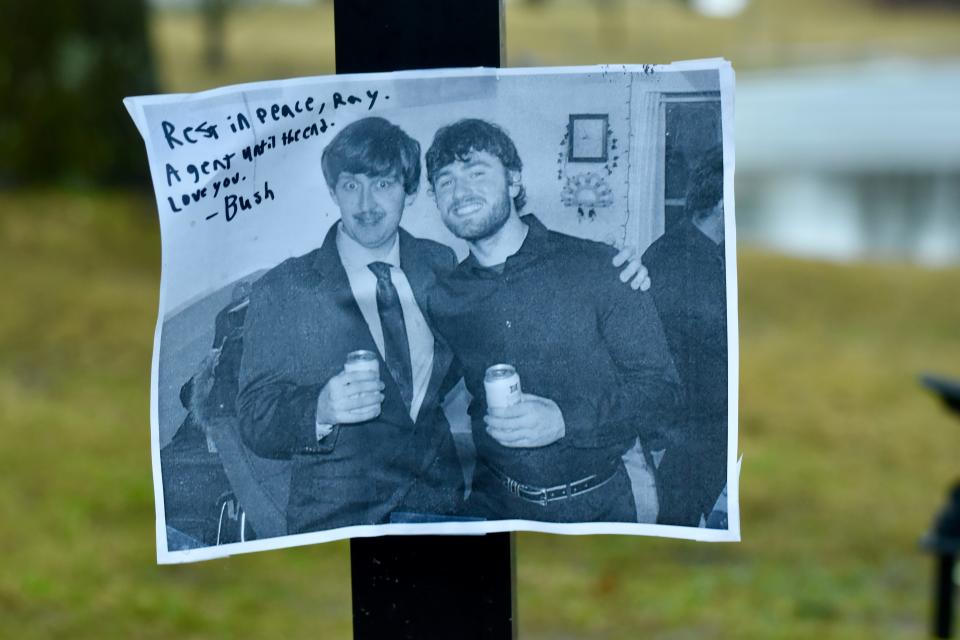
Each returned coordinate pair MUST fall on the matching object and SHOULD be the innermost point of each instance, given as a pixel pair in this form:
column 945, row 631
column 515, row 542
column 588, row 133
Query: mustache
column 369, row 213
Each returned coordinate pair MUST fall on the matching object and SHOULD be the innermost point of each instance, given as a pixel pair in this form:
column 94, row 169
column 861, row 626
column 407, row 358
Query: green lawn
column 845, row 459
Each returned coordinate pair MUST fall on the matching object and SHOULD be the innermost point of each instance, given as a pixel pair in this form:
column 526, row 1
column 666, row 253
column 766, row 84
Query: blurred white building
column 719, row 8
column 851, row 162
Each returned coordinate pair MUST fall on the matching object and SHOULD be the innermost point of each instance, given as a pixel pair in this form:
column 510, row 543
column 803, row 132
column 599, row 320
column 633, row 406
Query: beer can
column 502, row 386
column 362, row 360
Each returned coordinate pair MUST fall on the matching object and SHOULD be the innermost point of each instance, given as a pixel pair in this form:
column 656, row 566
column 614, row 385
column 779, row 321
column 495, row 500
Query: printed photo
column 455, row 301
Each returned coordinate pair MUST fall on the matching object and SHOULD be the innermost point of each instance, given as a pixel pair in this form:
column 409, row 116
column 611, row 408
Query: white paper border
column 135, row 107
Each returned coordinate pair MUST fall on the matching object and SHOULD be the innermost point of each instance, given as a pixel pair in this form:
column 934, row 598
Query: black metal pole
column 423, row 587
column 944, row 588
column 943, row 539
column 389, row 35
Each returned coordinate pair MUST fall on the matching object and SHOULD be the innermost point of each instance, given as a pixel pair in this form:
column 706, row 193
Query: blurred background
column 848, row 206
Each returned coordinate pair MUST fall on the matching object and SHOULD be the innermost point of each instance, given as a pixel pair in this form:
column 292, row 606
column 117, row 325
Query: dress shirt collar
column 355, row 257
column 537, row 244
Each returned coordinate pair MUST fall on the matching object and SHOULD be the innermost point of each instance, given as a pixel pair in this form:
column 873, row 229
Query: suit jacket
column 301, row 324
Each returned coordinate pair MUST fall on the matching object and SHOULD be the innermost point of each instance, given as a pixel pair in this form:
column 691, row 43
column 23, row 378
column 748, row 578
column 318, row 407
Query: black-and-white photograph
column 455, row 301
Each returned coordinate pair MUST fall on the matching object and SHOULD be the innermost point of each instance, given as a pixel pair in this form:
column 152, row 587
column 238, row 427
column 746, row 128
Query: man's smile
column 467, row 207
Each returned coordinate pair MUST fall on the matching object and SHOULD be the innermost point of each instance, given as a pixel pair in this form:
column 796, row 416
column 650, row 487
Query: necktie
column 396, row 348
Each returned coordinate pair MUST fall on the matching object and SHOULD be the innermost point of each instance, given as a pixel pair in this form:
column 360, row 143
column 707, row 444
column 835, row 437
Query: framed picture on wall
column 588, row 137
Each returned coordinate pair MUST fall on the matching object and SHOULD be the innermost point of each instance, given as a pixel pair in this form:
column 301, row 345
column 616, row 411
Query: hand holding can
column 355, row 394
column 516, row 419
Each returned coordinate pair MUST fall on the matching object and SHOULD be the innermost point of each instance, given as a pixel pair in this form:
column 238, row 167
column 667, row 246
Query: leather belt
column 545, row 495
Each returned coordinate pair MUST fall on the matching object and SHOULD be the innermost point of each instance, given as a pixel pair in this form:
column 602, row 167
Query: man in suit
column 362, row 446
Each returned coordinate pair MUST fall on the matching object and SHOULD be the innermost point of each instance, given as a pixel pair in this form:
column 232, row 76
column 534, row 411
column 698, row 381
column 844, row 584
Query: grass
column 845, row 460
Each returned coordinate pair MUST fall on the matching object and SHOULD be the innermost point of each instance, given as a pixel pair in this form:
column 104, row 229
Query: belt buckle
column 513, row 487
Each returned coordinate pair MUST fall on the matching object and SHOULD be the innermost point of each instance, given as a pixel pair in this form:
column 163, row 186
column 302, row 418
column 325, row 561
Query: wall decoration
column 587, row 192
column 588, row 137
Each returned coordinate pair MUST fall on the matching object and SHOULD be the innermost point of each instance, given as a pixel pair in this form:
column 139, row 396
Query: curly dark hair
column 458, row 140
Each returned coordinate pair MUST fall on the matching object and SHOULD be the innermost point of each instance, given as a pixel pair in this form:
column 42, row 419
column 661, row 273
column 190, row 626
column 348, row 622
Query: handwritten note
column 218, row 185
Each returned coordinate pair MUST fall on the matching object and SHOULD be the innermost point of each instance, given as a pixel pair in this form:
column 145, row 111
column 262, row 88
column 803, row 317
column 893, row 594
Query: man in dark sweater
column 590, row 353
column 689, row 287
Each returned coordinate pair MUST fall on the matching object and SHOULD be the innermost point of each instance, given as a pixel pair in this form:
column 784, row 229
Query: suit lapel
column 335, row 284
